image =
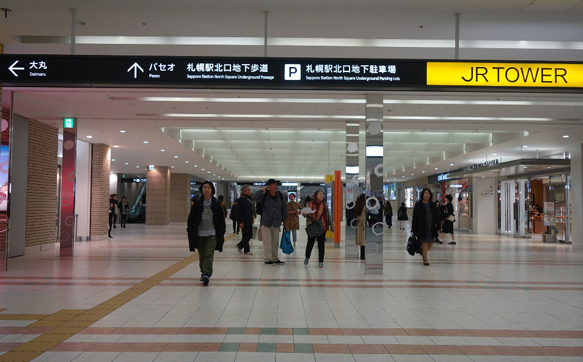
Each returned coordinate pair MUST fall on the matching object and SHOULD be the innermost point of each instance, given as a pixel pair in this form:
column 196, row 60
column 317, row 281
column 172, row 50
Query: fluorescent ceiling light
column 480, row 119
column 305, row 42
column 289, row 184
column 374, row 151
column 280, row 116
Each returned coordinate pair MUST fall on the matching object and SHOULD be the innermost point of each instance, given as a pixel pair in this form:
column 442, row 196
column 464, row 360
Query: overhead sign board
column 505, row 74
column 205, row 71
column 280, row 73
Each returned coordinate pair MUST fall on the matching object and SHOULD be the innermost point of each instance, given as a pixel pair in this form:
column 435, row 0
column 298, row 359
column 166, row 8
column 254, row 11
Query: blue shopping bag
column 286, row 244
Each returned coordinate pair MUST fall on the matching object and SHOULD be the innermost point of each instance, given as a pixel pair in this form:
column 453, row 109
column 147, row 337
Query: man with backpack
column 244, row 213
column 273, row 210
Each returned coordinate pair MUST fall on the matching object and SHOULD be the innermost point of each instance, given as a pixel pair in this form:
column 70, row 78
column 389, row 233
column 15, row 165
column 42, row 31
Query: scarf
column 320, row 212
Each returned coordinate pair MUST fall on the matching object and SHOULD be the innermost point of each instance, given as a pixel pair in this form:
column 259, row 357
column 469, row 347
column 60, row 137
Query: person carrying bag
column 318, row 222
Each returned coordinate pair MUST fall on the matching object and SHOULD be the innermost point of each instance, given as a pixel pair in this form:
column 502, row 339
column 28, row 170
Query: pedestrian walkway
column 137, row 297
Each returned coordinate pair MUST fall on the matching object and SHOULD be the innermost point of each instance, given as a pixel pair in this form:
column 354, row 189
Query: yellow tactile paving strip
column 68, row 322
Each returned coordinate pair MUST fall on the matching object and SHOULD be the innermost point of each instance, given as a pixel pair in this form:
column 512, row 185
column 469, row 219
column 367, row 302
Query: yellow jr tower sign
column 484, row 74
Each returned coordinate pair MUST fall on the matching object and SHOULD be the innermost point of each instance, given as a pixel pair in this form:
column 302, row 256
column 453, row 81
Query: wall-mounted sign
column 487, row 74
column 134, row 180
column 478, row 165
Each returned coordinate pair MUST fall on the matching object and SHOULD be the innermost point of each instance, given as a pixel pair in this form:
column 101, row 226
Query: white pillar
column 485, row 196
column 577, row 195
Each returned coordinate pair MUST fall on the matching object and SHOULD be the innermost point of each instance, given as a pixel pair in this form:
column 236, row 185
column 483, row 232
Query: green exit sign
column 68, row 122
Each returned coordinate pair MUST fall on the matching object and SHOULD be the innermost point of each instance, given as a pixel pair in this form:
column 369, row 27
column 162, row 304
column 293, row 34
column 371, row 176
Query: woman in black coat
column 425, row 222
column 402, row 216
column 206, row 229
column 447, row 227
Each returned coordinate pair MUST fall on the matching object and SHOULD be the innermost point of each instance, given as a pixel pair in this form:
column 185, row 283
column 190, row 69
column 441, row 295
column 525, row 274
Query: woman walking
column 321, row 214
column 425, row 223
column 388, row 213
column 402, row 216
column 293, row 221
column 439, row 220
column 360, row 214
column 448, row 218
column 124, row 209
column 206, row 229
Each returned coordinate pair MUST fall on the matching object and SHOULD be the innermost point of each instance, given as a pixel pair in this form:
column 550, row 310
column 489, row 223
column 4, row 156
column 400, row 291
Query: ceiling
column 253, row 135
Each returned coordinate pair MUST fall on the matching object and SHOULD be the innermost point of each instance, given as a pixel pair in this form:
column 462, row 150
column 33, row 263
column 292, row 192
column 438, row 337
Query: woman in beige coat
column 360, row 214
column 293, row 220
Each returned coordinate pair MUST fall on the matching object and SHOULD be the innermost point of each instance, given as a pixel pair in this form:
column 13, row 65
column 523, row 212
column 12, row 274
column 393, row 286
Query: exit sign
column 68, row 122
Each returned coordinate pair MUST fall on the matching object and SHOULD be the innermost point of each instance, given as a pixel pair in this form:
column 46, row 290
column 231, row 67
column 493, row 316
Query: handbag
column 451, row 218
column 259, row 234
column 315, row 229
column 413, row 245
column 286, row 244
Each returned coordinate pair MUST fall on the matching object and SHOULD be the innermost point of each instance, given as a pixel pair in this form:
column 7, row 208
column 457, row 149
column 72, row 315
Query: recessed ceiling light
column 185, row 161
column 113, row 159
column 115, row 146
column 202, row 169
column 437, row 168
column 172, row 166
column 127, row 163
column 494, row 154
column 175, row 156
column 145, row 141
column 195, row 165
column 422, row 171
column 162, row 150
column 412, row 174
column 524, row 146
column 89, row 136
column 122, row 131
column 137, row 166
column 566, row 136
column 451, row 164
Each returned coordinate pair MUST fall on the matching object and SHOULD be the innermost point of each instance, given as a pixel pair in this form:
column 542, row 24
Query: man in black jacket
column 206, row 229
column 273, row 215
column 245, row 217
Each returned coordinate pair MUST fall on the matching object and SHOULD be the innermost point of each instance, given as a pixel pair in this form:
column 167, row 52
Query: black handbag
column 315, row 229
column 413, row 245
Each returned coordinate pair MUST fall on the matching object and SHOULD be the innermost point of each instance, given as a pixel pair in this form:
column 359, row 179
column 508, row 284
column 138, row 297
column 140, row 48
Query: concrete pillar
column 485, row 197
column 100, row 169
column 179, row 197
column 158, row 191
column 577, row 195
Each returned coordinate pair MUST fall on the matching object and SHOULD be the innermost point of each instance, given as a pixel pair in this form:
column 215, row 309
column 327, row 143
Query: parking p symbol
column 293, row 72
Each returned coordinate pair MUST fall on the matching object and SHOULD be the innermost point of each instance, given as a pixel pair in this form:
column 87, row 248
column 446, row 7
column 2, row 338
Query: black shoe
column 110, row 236
column 206, row 279
column 451, row 243
column 115, row 227
column 279, row 262
column 269, row 262
column 438, row 241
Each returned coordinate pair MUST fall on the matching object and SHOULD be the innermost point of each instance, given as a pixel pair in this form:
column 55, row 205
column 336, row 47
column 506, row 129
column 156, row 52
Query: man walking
column 274, row 213
column 245, row 217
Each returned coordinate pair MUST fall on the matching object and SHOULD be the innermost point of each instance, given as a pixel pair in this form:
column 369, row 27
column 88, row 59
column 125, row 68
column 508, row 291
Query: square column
column 100, row 169
column 179, row 197
column 577, row 195
column 158, row 199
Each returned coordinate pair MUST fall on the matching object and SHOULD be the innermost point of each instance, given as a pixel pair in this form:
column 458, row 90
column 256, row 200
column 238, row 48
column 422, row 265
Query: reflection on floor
column 137, row 297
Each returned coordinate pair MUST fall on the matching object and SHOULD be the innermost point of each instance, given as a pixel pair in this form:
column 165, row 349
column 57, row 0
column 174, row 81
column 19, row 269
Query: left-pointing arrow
column 12, row 68
column 135, row 68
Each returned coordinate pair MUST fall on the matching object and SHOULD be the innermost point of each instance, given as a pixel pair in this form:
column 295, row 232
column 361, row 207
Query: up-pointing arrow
column 135, row 67
column 12, row 68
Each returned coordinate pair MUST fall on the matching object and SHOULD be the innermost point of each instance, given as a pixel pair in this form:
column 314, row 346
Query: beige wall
column 179, row 197
column 100, row 169
column 158, row 196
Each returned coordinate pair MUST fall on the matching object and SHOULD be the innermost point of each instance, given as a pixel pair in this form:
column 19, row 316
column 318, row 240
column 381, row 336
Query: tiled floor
column 137, row 297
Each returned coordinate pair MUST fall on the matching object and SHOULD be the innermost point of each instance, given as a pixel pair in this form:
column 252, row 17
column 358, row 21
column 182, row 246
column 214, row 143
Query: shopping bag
column 286, row 244
column 413, row 245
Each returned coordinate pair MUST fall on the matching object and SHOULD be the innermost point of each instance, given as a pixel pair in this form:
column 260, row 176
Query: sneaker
column 206, row 279
column 269, row 262
column 201, row 276
column 451, row 243
column 238, row 249
column 321, row 265
column 248, row 253
column 306, row 261
column 279, row 262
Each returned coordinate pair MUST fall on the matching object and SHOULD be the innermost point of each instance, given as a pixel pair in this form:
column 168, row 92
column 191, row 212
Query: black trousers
column 246, row 235
column 321, row 247
column 114, row 218
column 110, row 223
column 236, row 226
column 124, row 217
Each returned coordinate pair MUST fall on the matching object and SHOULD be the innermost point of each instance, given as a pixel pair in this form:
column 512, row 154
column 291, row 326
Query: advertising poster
column 549, row 214
column 4, row 162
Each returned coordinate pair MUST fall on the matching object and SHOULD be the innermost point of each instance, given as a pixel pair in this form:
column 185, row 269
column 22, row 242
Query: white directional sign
column 12, row 68
column 135, row 68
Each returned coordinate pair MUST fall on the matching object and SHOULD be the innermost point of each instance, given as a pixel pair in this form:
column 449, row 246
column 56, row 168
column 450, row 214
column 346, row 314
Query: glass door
column 523, row 227
column 507, row 202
